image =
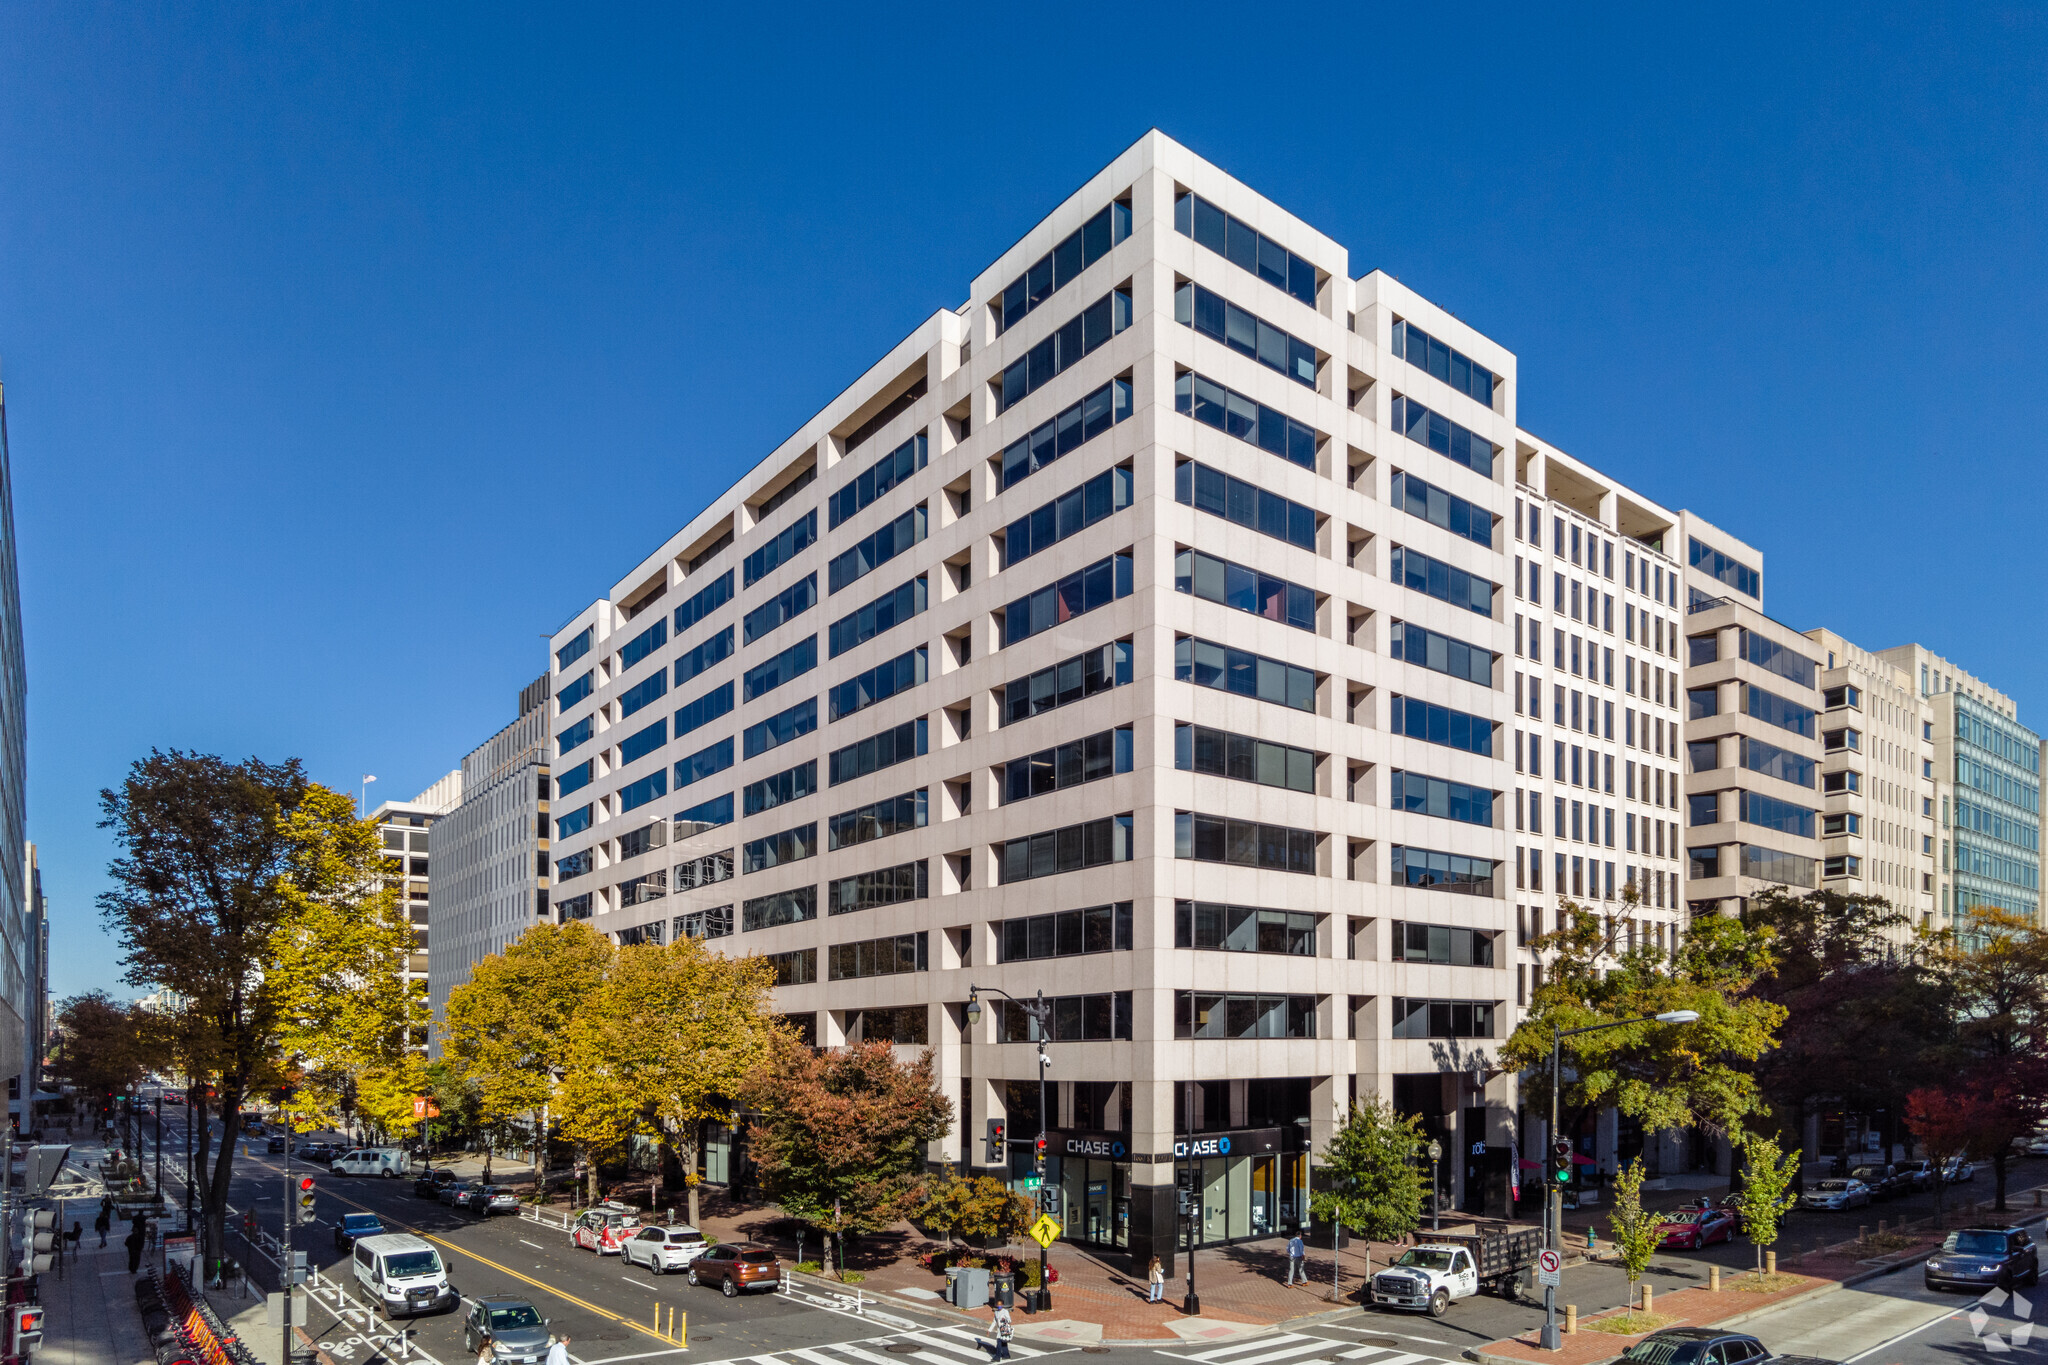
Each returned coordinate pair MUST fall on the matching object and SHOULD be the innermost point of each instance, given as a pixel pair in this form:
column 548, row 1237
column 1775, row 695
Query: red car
column 604, row 1229
column 1692, row 1229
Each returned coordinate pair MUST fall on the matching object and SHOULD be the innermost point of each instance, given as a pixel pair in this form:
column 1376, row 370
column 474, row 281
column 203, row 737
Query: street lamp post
column 1436, row 1154
column 1553, row 1199
column 1040, row 1012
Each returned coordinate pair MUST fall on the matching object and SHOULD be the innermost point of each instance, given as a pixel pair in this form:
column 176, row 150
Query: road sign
column 1548, row 1263
column 1032, row 1182
column 1044, row 1232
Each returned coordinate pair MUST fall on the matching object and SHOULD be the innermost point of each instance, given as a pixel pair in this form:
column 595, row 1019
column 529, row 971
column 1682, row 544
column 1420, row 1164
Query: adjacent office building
column 21, row 984
column 404, row 827
column 492, row 851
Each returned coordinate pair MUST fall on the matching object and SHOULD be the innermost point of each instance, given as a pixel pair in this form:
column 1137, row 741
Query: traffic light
column 1038, row 1153
column 43, row 1236
column 27, row 1322
column 998, row 1152
column 306, row 1214
column 1561, row 1161
column 1049, row 1200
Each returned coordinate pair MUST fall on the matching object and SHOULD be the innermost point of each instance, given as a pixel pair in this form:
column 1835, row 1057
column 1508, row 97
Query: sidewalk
column 90, row 1316
column 1686, row 1308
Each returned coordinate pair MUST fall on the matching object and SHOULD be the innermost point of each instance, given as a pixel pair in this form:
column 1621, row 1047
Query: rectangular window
column 891, row 471
column 1440, row 508
column 1101, row 583
column 708, row 870
column 898, row 744
column 1455, row 368
column 1075, row 1019
column 1243, row 245
column 1768, row 864
column 1786, row 715
column 1211, row 1014
column 1442, row 1018
column 878, row 820
column 1244, row 589
column 576, row 778
column 1243, row 929
column 1418, row 719
column 890, row 956
column 779, row 789
column 1418, row 572
column 636, row 794
column 1067, row 515
column 1206, row 664
column 702, row 764
column 714, row 650
column 1081, row 335
column 1235, row 414
column 1078, row 250
column 1436, row 871
column 714, row 922
column 763, row 678
column 1065, row 933
column 1244, row 332
column 1459, row 801
column 1440, row 653
column 1069, row 680
column 883, row 681
column 792, row 602
column 793, row 906
column 574, row 736
column 1782, row 816
column 643, row 644
column 779, row 729
column 702, row 816
column 884, row 886
column 649, row 886
column 1841, row 823
column 1066, row 431
column 1726, row 569
column 790, row 846
column 1245, row 758
column 704, row 710
column 1243, row 843
column 791, row 541
column 871, row 552
column 575, row 865
column 1460, row 444
column 575, row 822
column 1776, row 658
column 573, row 693
column 703, row 602
column 649, row 689
column 1238, row 500
column 1767, row 759
column 1094, row 843
column 798, row 967
column 889, row 610
column 1443, row 945
column 1066, row 765
column 575, row 649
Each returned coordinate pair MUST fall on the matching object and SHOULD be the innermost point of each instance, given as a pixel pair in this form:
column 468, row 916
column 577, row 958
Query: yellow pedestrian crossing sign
column 1044, row 1232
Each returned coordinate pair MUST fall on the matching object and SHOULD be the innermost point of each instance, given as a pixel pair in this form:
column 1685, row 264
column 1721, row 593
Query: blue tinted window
column 793, row 539
column 573, row 735
column 704, row 709
column 575, row 822
column 878, row 478
column 704, row 815
column 1069, row 680
column 704, row 602
column 879, row 683
column 1418, row 719
column 1072, row 848
column 576, row 778
column 779, row 789
column 798, row 659
column 643, row 742
column 1244, row 589
column 1246, row 418
column 575, row 649
column 1459, row 801
column 1726, row 569
column 794, row 906
column 877, row 820
column 1084, row 590
column 1439, row 508
column 1782, row 816
column 573, row 693
column 1084, row 334
column 1786, row 715
column 1242, row 245
column 715, row 758
column 1412, row 644
column 649, row 689
column 781, row 728
column 1242, row 331
column 1434, row 871
column 1461, row 444
column 889, row 610
column 1455, row 368
column 1073, row 512
column 1087, row 759
column 871, row 553
column 639, row 793
column 1066, row 431
column 1208, row 664
column 792, row 602
column 695, row 661
column 643, row 644
column 1080, row 249
column 1446, row 582
column 1769, row 654
column 897, row 744
column 1238, row 500
column 792, row 845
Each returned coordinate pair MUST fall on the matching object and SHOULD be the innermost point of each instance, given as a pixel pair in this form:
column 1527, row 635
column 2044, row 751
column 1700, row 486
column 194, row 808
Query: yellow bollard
column 1571, row 1319
column 1649, row 1299
column 1713, row 1279
column 1770, row 1263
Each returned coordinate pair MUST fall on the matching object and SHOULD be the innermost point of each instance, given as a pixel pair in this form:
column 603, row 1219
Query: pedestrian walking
column 486, row 1352
column 558, row 1351
column 134, row 1243
column 1155, row 1277
column 104, row 1221
column 999, row 1348
column 1297, row 1260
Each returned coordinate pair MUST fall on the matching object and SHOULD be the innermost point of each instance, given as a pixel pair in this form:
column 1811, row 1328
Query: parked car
column 2035, row 1145
column 603, row 1230
column 1731, row 1204
column 662, row 1249
column 501, row 1200
column 1691, row 1229
column 1835, row 1194
column 1883, row 1181
column 319, row 1153
column 274, row 1146
column 353, row 1226
column 454, row 1193
column 515, row 1328
column 473, row 1198
column 736, row 1267
column 1921, row 1173
column 1984, row 1258
column 1707, row 1346
column 1957, row 1171
column 429, row 1184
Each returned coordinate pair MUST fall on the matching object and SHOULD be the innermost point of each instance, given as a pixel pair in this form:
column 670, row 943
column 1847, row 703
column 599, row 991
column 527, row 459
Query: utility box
column 967, row 1286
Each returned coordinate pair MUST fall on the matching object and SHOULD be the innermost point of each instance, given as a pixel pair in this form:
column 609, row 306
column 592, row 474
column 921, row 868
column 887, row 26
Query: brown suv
column 737, row 1266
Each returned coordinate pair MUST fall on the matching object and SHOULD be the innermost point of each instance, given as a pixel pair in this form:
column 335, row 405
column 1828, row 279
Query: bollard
column 1571, row 1319
column 1880, row 1226
column 1649, row 1298
column 2037, row 1199
column 1713, row 1279
column 1863, row 1231
column 1770, row 1263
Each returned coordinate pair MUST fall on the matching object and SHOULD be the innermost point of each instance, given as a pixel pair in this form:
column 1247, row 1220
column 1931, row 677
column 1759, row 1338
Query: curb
column 1486, row 1357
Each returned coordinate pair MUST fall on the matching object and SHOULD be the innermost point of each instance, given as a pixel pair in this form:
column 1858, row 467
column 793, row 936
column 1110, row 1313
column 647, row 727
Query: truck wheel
column 1439, row 1303
column 1510, row 1288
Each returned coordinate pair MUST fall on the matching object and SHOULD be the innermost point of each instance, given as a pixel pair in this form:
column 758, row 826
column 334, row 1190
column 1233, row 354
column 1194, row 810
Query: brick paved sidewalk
column 1686, row 1308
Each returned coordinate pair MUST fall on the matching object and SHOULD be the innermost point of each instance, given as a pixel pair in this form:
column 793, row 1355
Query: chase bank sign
column 1096, row 1147
column 1215, row 1146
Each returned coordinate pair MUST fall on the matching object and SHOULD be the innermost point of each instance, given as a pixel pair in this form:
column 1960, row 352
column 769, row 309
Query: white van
column 403, row 1275
column 389, row 1162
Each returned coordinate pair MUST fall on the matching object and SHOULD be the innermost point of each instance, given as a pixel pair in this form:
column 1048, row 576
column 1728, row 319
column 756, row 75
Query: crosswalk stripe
column 1290, row 1345
column 814, row 1357
column 967, row 1349
column 1383, row 1356
column 858, row 1354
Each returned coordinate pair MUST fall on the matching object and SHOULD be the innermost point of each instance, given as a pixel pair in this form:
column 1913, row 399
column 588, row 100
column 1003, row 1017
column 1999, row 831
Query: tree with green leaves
column 1637, row 1231
column 841, row 1140
column 1661, row 1075
column 1373, row 1181
column 1766, row 1193
column 99, row 1049
column 1994, row 966
column 980, row 1209
column 235, row 885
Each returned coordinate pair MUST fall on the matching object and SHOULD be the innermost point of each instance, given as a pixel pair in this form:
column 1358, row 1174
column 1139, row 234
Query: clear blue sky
column 348, row 349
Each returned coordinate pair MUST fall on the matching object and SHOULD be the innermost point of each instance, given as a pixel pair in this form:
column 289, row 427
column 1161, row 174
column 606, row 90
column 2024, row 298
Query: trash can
column 1003, row 1287
column 953, row 1274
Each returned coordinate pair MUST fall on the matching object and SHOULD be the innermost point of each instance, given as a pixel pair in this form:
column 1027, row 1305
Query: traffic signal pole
column 1553, row 1201
column 291, row 1215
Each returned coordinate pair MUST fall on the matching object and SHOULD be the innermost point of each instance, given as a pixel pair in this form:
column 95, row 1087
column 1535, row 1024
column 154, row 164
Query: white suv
column 664, row 1249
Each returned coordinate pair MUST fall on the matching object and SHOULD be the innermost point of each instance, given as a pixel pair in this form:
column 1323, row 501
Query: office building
column 491, row 851
column 21, row 987
column 403, row 826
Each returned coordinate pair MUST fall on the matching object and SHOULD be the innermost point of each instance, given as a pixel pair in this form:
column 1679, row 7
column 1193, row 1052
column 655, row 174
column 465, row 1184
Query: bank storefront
column 1244, row 1184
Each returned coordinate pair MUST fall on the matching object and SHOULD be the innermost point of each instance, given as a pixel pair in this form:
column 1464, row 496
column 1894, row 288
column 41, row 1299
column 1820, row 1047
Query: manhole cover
column 1085, row 1350
column 1373, row 1341
column 902, row 1348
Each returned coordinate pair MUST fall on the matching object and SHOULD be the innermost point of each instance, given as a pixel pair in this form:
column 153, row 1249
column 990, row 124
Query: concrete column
column 946, row 1030
column 1155, row 1225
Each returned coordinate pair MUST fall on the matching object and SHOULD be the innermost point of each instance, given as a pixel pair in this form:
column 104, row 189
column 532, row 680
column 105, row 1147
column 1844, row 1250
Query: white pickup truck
column 1428, row 1277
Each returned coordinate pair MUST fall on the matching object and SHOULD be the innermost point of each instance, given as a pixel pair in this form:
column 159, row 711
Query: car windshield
column 1426, row 1260
column 1662, row 1351
column 521, row 1315
column 1831, row 1187
column 401, row 1263
column 359, row 1222
column 1976, row 1243
column 758, row 1257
